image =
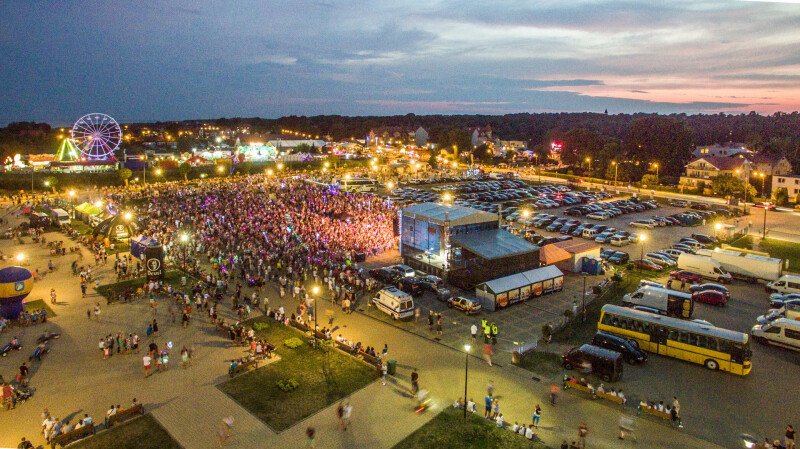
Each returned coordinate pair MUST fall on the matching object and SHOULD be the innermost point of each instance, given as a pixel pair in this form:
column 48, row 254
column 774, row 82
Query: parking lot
column 710, row 400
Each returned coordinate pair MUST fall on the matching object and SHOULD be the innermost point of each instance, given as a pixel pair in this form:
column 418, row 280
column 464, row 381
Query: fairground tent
column 551, row 254
column 117, row 228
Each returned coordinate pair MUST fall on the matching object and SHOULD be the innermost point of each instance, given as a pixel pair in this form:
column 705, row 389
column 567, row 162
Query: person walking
column 384, row 370
column 430, row 319
column 155, row 328
column 488, row 351
column 340, row 415
column 487, row 406
column 347, row 412
column 583, row 432
column 310, row 433
column 676, row 412
column 385, row 351
column 554, row 391
column 414, row 381
column 626, row 426
column 97, row 311
column 474, row 331
column 439, row 321
column 52, row 296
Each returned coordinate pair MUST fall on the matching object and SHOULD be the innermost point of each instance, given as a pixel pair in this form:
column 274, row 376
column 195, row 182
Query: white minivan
column 589, row 233
column 781, row 332
column 785, row 284
column 395, row 303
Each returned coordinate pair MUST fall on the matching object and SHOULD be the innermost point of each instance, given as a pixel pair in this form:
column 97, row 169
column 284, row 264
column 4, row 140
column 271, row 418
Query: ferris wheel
column 97, row 136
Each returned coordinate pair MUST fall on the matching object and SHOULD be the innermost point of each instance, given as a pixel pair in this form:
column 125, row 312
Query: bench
column 244, row 366
column 656, row 413
column 579, row 387
column 298, row 325
column 74, row 435
column 344, row 347
column 124, row 415
column 370, row 359
column 610, row 397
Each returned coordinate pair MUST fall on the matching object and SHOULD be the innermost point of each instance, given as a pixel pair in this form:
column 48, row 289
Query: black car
column 628, row 348
column 704, row 239
column 411, row 285
column 384, row 275
column 619, row 257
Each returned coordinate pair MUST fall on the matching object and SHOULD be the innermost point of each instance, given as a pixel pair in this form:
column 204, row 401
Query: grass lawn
column 745, row 241
column 139, row 433
column 81, row 227
column 782, row 250
column 450, row 429
column 110, row 291
column 40, row 304
column 324, row 377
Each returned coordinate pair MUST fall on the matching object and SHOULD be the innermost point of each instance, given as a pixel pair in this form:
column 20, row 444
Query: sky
column 173, row 60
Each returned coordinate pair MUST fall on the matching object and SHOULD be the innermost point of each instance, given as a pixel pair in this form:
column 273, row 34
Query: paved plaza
column 74, row 379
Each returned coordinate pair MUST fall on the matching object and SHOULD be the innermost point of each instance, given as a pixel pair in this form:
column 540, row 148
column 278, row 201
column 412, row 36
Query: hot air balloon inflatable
column 15, row 284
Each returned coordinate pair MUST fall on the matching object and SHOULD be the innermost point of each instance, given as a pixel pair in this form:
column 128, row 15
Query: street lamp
column 269, row 172
column 390, row 186
column 220, row 169
column 717, row 228
column 467, row 348
column 655, row 164
column 746, row 184
column 315, row 292
column 616, row 169
column 127, row 216
column 763, row 177
column 447, row 197
column 526, row 213
column 642, row 239
column 20, row 257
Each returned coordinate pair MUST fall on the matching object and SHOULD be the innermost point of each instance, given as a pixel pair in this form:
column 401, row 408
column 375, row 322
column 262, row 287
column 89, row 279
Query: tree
column 727, row 185
column 781, row 196
column 432, row 159
column 184, row 170
column 455, row 137
column 649, row 180
column 665, row 140
column 483, row 153
column 124, row 174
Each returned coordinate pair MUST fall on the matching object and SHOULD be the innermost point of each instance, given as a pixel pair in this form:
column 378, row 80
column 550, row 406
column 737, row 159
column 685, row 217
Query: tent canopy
column 550, row 254
column 520, row 280
column 88, row 209
column 576, row 246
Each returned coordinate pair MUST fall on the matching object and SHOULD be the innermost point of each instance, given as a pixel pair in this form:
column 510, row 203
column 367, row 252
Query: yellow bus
column 713, row 347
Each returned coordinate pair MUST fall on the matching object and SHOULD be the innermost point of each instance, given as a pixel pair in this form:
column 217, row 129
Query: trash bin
column 391, row 367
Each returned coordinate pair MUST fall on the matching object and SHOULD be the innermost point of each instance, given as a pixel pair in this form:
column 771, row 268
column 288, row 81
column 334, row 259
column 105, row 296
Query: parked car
column 619, row 257
column 647, row 224
column 678, row 203
column 712, row 297
column 704, row 239
column 442, row 293
column 629, row 349
column 661, row 259
column 385, row 275
column 768, row 206
column 712, row 286
column 602, row 362
column 645, row 264
column 412, row 286
column 466, row 305
column 688, row 276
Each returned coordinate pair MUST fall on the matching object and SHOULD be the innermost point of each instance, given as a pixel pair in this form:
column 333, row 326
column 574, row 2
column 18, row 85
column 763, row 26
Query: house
column 725, row 150
column 789, row 182
column 704, row 169
column 770, row 164
column 481, row 135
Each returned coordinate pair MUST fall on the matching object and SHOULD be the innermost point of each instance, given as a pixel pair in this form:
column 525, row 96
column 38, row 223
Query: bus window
column 711, row 343
column 673, row 335
column 684, row 337
column 694, row 340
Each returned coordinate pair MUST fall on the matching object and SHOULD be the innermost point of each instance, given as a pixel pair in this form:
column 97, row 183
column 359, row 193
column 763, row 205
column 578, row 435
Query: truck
column 704, row 266
column 750, row 267
column 59, row 217
column 668, row 302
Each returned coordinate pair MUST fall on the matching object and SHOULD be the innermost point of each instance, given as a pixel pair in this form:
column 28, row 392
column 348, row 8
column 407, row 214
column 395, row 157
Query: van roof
column 599, row 352
column 395, row 291
column 788, row 322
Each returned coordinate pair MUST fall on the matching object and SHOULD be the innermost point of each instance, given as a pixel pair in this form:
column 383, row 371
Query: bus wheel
column 712, row 364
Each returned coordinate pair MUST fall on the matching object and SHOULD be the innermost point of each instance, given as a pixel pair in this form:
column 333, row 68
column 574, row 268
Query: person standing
column 430, row 319
column 474, row 331
column 147, row 361
column 537, row 416
column 155, row 328
column 626, row 426
column 789, row 437
column 97, row 311
column 487, row 406
column 414, row 381
column 385, row 351
column 384, row 370
column 310, row 433
column 347, row 412
column 487, row 353
column 52, row 296
column 439, row 321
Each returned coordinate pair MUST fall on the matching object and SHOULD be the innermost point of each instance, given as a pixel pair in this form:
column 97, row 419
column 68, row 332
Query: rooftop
column 493, row 244
column 456, row 215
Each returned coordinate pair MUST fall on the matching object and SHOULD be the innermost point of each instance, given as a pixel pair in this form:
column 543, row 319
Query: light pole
column 655, row 164
column 746, row 184
column 642, row 239
column 764, row 229
column 616, row 169
column 144, row 170
column 467, row 348
column 763, row 177
column 315, row 292
column 583, row 295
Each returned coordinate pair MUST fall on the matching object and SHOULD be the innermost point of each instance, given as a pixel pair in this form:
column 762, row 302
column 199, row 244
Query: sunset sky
column 156, row 60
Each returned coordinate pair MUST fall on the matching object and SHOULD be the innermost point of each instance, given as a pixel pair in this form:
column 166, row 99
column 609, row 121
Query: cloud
column 276, row 59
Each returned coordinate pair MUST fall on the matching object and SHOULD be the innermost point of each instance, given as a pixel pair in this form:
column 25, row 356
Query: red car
column 646, row 265
column 768, row 206
column 712, row 297
column 688, row 276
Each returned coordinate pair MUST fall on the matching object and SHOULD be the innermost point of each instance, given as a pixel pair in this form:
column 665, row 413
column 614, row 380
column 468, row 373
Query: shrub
column 568, row 314
column 260, row 326
column 547, row 331
column 287, row 384
column 293, row 342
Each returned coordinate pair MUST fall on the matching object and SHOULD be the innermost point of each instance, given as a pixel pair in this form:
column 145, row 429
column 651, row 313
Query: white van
column 704, row 266
column 395, row 303
column 60, row 216
column 781, row 332
column 589, row 233
column 785, row 284
column 619, row 240
column 668, row 302
column 405, row 270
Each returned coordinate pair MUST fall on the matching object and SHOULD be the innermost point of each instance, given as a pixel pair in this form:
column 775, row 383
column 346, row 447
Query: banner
column 154, row 262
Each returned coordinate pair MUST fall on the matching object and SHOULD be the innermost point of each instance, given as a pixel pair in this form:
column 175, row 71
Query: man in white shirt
column 471, row 406
column 147, row 364
column 529, row 432
column 47, row 427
